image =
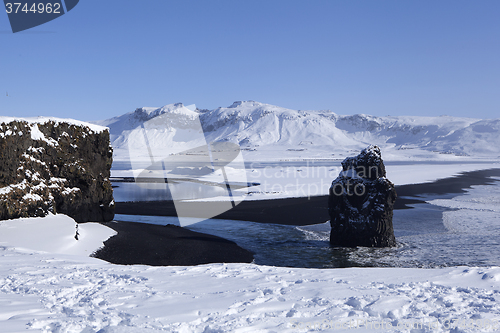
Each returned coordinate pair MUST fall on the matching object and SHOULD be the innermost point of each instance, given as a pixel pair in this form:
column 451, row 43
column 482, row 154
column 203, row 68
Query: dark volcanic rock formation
column 361, row 202
column 57, row 167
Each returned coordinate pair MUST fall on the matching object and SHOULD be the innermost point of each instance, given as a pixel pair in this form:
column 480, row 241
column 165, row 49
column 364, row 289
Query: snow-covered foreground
column 48, row 292
column 60, row 293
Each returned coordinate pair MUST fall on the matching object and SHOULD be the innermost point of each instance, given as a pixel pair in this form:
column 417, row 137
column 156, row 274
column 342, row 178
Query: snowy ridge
column 257, row 126
column 164, row 126
column 134, row 119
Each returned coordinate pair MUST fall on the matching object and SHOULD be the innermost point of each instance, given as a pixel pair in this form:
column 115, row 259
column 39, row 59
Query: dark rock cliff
column 57, row 167
column 361, row 203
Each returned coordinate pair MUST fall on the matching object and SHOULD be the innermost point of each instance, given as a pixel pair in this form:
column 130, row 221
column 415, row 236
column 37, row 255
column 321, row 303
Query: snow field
column 55, row 234
column 73, row 294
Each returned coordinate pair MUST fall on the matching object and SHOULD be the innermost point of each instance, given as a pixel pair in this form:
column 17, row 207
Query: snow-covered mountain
column 263, row 127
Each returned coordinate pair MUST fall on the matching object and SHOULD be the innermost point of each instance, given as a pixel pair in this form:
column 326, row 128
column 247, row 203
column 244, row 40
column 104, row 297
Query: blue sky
column 106, row 58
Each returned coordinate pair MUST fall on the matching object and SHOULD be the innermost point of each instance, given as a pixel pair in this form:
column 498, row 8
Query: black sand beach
column 170, row 245
column 138, row 243
column 451, row 185
column 313, row 210
column 290, row 211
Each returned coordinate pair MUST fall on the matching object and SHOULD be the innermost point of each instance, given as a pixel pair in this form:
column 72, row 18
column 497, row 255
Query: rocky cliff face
column 361, row 203
column 55, row 166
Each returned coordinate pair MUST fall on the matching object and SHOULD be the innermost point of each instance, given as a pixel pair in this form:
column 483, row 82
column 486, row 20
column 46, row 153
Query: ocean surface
column 446, row 230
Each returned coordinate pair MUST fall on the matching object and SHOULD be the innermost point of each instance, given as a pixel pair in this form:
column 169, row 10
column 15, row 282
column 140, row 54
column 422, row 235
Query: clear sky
column 108, row 57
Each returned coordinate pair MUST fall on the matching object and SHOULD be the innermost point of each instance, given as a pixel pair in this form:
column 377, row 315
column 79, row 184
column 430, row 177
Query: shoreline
column 156, row 245
column 313, row 210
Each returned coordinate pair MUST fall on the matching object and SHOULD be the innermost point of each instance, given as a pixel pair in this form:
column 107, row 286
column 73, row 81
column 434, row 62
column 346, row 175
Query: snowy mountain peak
column 171, row 107
column 146, row 113
column 245, row 104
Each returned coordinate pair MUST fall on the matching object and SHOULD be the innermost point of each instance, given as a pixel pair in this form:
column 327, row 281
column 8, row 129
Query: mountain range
column 270, row 129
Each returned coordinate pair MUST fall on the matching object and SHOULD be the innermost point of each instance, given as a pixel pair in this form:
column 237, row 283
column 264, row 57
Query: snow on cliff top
column 42, row 120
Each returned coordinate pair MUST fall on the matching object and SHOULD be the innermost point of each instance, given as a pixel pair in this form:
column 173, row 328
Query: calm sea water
column 423, row 241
